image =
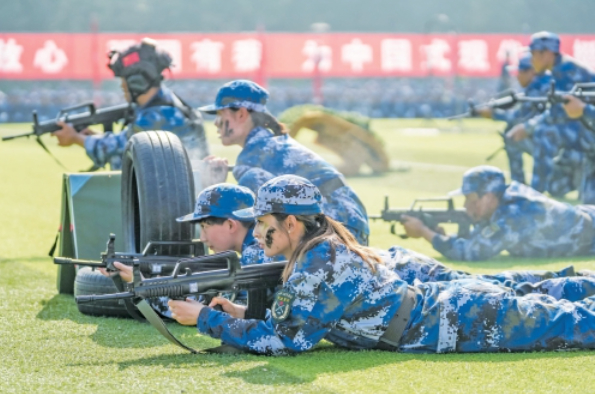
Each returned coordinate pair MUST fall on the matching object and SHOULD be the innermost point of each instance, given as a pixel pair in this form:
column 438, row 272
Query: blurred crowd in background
column 379, row 98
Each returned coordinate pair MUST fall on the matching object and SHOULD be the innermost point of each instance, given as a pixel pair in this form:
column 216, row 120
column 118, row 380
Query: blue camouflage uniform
column 333, row 294
column 560, row 144
column 220, row 201
column 538, row 87
column 163, row 112
column 265, row 156
column 416, row 268
column 526, row 223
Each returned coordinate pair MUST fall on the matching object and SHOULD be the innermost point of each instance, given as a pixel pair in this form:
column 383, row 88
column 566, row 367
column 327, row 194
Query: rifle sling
column 40, row 142
column 127, row 303
column 155, row 320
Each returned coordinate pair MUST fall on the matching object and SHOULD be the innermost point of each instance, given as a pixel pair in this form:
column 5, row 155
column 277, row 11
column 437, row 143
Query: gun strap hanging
column 40, row 142
column 127, row 303
column 155, row 320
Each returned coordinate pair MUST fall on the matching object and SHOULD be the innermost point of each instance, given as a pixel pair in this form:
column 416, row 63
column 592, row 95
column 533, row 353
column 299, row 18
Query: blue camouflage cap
column 240, row 93
column 525, row 63
column 481, row 180
column 545, row 41
column 289, row 194
column 220, row 201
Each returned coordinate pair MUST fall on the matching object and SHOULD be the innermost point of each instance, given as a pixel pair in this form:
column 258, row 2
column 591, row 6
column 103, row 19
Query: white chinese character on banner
column 511, row 49
column 206, row 54
column 174, row 48
column 584, row 52
column 396, row 54
column 317, row 54
column 246, row 55
column 473, row 55
column 356, row 53
column 10, row 56
column 435, row 55
column 50, row 59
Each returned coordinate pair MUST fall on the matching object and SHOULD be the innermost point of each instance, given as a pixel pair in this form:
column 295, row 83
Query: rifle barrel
column 12, row 137
column 86, row 263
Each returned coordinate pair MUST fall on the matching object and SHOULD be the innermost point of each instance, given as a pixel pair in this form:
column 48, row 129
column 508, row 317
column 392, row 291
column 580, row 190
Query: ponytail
column 320, row 228
column 268, row 121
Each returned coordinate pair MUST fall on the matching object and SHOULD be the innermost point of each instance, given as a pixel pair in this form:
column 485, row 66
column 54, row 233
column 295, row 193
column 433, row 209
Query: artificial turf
column 46, row 345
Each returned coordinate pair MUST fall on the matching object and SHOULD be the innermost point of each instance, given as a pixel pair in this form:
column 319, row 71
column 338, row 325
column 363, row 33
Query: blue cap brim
column 209, row 109
column 246, row 213
column 191, row 217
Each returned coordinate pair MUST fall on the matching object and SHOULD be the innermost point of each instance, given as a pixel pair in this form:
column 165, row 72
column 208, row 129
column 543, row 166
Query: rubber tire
column 157, row 187
column 88, row 282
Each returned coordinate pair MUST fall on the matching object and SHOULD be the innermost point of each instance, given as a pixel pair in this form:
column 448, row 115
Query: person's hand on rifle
column 216, row 170
column 124, row 270
column 67, row 135
column 483, row 112
column 415, row 228
column 186, row 312
column 517, row 133
column 573, row 106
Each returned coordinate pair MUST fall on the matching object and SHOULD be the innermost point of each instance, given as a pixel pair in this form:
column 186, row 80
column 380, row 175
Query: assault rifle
column 80, row 116
column 183, row 282
column 148, row 262
column 583, row 91
column 256, row 279
column 431, row 217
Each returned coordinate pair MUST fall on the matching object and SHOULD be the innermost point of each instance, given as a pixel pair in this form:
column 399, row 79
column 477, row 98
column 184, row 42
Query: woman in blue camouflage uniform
column 268, row 151
column 337, row 290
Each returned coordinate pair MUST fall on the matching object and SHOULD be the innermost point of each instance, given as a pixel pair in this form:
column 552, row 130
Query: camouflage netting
column 346, row 133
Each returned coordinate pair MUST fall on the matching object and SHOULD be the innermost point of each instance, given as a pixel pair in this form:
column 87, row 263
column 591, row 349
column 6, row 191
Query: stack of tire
column 157, row 187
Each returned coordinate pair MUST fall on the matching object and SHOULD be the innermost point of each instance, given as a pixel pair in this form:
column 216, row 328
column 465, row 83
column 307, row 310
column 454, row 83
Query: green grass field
column 48, row 346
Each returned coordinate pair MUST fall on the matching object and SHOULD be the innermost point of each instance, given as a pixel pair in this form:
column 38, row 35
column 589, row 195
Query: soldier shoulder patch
column 282, row 305
column 490, row 230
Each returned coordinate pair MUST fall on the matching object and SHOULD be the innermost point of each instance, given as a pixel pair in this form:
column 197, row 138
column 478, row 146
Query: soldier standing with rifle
column 140, row 69
column 535, row 85
column 554, row 134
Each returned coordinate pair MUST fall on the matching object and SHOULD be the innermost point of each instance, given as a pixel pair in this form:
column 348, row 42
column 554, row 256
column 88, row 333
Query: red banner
column 278, row 55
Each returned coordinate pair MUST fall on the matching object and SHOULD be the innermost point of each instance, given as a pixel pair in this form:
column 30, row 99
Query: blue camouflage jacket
column 538, row 87
column 526, row 224
column 344, row 302
column 160, row 113
column 266, row 156
column 566, row 73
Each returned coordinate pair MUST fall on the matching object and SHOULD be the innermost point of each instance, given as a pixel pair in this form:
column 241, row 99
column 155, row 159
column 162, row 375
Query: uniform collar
column 258, row 133
column 249, row 239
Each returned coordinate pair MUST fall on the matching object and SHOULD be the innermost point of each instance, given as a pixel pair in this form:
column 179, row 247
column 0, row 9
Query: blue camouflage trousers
column 514, row 152
column 563, row 284
column 562, row 156
column 475, row 316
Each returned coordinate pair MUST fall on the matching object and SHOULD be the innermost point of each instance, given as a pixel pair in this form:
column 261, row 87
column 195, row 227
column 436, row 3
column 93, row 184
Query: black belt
column 328, row 187
column 391, row 337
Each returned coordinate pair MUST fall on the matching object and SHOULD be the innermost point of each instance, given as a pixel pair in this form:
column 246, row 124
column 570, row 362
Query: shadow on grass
column 324, row 359
column 117, row 332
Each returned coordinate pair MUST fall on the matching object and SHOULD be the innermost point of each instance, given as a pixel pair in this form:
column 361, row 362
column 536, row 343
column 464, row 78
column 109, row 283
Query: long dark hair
column 268, row 121
column 320, row 228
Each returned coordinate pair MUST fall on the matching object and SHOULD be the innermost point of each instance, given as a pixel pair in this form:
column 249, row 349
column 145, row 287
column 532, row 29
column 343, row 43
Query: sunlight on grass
column 48, row 346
